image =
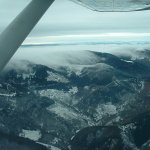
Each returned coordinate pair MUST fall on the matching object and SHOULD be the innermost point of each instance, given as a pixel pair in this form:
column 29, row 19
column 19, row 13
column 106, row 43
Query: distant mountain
column 97, row 103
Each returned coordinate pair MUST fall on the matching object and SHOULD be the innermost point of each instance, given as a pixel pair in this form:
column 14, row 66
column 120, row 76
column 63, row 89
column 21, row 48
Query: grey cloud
column 66, row 17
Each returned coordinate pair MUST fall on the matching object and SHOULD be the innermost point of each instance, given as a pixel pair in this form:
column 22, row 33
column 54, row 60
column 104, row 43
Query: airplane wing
column 115, row 5
column 13, row 36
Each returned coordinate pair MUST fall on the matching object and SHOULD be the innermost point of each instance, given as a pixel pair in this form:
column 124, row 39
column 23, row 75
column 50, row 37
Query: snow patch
column 127, row 142
column 54, row 94
column 59, row 95
column 68, row 113
column 34, row 135
column 128, row 61
column 54, row 148
column 63, row 111
column 105, row 109
column 8, row 95
column 49, row 146
column 56, row 77
column 55, row 140
column 74, row 90
column 142, row 83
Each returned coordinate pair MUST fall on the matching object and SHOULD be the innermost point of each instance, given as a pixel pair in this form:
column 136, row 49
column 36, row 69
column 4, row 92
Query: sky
column 66, row 21
column 79, row 28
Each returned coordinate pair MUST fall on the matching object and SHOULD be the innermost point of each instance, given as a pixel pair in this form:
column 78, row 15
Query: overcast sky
column 67, row 18
column 67, row 22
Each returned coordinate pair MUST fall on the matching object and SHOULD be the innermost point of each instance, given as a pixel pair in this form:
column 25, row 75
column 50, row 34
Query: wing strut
column 13, row 36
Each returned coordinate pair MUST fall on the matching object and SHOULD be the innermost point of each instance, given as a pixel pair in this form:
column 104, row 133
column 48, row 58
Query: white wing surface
column 115, row 5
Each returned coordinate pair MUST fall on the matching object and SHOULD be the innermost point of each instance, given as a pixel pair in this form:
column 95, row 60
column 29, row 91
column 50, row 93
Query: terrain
column 99, row 103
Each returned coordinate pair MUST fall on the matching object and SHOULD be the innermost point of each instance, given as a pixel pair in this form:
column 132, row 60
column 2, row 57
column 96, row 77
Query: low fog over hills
column 78, row 100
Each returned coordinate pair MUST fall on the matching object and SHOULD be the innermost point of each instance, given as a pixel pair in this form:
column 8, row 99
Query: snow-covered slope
column 50, row 104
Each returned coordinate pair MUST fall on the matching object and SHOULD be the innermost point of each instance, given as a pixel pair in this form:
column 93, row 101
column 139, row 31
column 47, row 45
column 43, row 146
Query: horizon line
column 84, row 43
